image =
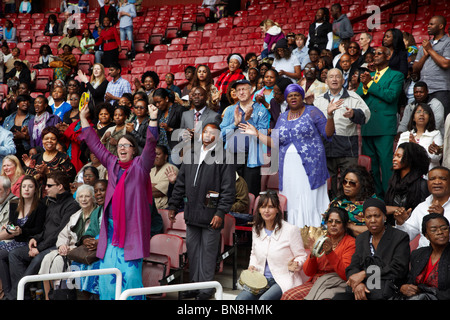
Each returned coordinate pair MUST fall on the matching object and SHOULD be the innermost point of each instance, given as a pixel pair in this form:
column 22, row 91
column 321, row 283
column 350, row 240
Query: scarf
column 39, row 124
column 118, row 205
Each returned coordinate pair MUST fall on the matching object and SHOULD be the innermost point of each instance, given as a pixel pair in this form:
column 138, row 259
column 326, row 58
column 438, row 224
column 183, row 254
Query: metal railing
column 175, row 288
column 70, row 275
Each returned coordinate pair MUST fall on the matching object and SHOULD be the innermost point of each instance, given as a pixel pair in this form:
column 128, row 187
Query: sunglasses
column 349, row 182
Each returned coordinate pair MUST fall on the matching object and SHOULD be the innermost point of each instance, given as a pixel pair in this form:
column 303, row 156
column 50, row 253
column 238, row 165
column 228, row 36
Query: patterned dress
column 302, row 169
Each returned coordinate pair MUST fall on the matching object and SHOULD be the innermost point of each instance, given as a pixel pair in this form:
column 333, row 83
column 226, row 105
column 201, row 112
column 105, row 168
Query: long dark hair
column 264, row 199
column 365, row 180
column 397, row 41
column 416, row 158
column 36, row 196
column 431, row 125
column 343, row 215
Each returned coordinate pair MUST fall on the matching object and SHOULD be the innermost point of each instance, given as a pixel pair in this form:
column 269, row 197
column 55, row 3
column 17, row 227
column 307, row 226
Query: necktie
column 196, row 117
column 377, row 77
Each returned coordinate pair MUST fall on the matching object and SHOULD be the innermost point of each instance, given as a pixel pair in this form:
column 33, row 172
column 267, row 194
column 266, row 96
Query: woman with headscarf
column 233, row 73
column 298, row 134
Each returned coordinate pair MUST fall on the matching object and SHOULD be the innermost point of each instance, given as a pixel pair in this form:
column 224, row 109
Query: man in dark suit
column 380, row 90
column 193, row 121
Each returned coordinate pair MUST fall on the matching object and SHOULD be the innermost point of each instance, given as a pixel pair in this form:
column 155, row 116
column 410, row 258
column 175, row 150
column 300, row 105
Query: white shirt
column 413, row 226
column 287, row 65
column 203, row 153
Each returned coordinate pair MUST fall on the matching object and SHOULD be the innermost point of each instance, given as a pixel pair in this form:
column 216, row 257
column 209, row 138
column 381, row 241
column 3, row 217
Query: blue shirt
column 118, row 88
column 260, row 119
column 127, row 21
column 62, row 109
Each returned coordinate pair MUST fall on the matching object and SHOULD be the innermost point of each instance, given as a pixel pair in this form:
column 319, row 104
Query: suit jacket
column 208, row 116
column 393, row 250
column 419, row 261
column 382, row 98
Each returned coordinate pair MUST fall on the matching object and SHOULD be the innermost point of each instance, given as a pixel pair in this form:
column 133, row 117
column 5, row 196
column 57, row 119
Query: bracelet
column 153, row 119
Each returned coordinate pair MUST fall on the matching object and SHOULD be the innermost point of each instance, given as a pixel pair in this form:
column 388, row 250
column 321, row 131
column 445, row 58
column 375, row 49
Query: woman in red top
column 110, row 41
column 233, row 73
column 338, row 249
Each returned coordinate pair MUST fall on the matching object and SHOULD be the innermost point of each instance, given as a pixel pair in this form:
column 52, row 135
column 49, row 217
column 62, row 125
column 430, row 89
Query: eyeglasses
column 139, row 108
column 124, row 145
column 422, row 111
column 310, row 69
column 349, row 182
column 336, row 221
column 441, row 228
column 49, row 185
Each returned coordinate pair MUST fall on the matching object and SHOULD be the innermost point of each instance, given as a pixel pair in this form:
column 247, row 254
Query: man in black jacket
column 60, row 206
column 206, row 184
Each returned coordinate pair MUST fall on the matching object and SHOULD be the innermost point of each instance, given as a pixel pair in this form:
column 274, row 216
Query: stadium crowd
column 356, row 137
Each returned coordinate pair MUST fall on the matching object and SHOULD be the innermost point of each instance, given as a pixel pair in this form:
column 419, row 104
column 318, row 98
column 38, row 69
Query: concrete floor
column 225, row 278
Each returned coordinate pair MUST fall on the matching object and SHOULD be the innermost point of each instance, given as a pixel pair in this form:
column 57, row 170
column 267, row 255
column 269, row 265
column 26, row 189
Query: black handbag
column 62, row 292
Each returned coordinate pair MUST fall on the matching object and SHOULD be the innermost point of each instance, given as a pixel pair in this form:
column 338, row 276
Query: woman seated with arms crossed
column 277, row 250
column 429, row 278
column 381, row 259
column 327, row 273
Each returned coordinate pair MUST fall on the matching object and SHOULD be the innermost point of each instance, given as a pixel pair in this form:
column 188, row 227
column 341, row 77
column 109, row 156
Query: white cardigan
column 278, row 249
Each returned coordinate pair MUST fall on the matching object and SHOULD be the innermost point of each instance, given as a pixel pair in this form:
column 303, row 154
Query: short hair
column 5, row 182
column 60, row 177
column 421, row 84
column 50, row 129
column 163, row 148
column 430, row 216
column 151, row 74
column 368, row 35
column 441, row 19
column 85, row 187
column 115, row 65
column 337, row 6
column 440, row 168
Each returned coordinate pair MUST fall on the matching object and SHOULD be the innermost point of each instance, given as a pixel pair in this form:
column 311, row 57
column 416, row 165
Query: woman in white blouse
column 422, row 130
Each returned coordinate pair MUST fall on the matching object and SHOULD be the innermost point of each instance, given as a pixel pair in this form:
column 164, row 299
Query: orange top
column 336, row 261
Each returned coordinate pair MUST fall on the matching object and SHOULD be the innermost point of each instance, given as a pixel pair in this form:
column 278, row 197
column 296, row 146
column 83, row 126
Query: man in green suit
column 380, row 90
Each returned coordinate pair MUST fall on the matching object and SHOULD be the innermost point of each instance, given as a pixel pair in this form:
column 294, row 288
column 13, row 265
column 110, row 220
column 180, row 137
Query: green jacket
column 382, row 99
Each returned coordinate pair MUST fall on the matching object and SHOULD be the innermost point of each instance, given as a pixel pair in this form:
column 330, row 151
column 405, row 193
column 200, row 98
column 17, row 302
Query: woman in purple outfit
column 124, row 238
column 302, row 166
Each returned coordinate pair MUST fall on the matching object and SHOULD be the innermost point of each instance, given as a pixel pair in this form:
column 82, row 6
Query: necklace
column 292, row 115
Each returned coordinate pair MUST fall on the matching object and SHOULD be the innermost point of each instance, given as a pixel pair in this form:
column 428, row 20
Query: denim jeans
column 127, row 34
column 273, row 293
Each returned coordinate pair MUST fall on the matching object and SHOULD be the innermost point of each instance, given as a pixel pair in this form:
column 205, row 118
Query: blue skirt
column 131, row 270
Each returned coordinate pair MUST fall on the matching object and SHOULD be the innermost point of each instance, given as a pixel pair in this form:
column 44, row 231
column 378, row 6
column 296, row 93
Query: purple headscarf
column 294, row 88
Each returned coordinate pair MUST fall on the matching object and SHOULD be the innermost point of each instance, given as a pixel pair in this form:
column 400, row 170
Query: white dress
column 304, row 206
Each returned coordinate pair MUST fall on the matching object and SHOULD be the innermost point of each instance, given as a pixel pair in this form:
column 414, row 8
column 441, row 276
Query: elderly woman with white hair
column 233, row 73
column 55, row 260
